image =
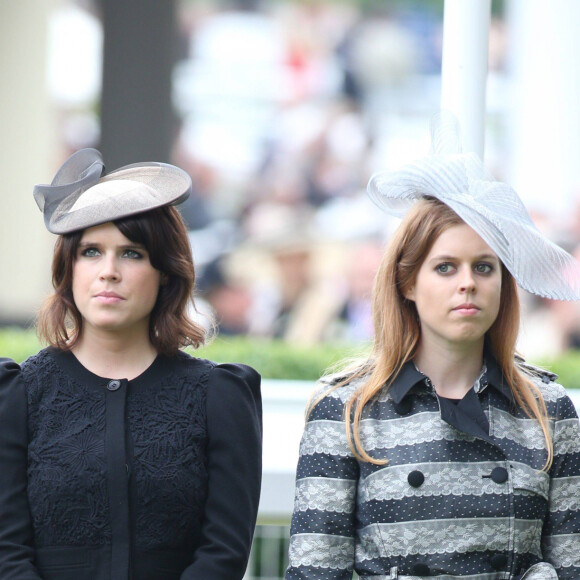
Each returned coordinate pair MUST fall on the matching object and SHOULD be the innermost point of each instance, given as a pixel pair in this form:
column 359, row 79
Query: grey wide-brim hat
column 81, row 195
column 492, row 208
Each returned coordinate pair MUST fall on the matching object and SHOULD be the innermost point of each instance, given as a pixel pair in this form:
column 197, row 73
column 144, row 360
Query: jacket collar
column 409, row 376
column 496, row 378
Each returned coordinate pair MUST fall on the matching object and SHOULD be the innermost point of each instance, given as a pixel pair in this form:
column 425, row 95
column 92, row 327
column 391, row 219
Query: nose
column 110, row 270
column 467, row 282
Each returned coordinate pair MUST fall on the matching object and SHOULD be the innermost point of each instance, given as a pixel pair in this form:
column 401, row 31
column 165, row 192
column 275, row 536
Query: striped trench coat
column 463, row 494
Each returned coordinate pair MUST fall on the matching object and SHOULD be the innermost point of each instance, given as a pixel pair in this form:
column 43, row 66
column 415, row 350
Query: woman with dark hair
column 120, row 455
column 443, row 454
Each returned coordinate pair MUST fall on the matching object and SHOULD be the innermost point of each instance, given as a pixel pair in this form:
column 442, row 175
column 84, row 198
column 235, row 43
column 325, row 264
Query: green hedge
column 275, row 359
column 18, row 344
column 567, row 367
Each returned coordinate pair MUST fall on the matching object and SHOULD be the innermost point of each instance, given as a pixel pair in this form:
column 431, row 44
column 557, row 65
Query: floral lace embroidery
column 563, row 550
column 567, row 437
column 67, row 467
column 322, row 551
column 67, row 486
column 343, row 393
column 325, row 437
column 524, row 432
column 565, row 494
column 325, row 494
column 412, row 430
column 168, row 424
column 329, row 436
column 458, row 536
column 551, row 392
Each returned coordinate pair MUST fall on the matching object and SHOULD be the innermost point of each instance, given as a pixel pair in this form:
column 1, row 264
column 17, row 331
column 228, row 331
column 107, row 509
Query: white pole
column 464, row 67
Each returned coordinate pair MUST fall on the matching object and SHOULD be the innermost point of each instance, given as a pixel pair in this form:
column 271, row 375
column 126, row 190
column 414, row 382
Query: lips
column 467, row 308
column 108, row 297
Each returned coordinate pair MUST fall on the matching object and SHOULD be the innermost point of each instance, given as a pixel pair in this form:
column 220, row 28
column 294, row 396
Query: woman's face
column 114, row 284
column 457, row 289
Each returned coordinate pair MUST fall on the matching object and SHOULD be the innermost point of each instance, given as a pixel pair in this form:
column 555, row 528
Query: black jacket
column 157, row 478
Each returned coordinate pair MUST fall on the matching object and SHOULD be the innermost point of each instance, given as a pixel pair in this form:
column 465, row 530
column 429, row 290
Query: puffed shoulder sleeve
column 234, row 423
column 16, row 552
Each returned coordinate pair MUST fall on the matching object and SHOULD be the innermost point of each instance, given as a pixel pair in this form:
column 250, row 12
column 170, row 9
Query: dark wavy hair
column 162, row 232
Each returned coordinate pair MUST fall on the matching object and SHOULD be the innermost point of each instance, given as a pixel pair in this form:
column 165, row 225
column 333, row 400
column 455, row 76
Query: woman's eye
column 90, row 252
column 483, row 268
column 444, row 268
column 133, row 254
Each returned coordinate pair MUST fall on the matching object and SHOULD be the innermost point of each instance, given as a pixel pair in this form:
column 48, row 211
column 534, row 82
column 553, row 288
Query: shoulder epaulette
column 534, row 371
column 343, row 375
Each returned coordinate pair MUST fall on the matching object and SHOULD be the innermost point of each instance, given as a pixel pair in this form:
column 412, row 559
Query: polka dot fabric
column 461, row 496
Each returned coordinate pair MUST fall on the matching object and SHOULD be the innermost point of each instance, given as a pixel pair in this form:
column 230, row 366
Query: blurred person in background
column 354, row 322
column 114, row 460
column 443, row 454
column 229, row 299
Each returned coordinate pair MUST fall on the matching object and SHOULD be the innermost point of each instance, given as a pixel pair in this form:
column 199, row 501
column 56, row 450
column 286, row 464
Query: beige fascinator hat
column 81, row 195
column 492, row 208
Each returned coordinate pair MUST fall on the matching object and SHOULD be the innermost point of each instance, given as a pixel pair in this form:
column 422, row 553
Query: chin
column 470, row 338
column 107, row 324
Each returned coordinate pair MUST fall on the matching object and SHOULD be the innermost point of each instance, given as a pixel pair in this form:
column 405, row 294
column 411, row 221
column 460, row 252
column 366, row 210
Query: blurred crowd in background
column 284, row 111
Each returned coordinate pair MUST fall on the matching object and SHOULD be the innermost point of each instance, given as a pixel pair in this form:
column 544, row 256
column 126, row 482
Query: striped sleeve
column 561, row 532
column 322, row 544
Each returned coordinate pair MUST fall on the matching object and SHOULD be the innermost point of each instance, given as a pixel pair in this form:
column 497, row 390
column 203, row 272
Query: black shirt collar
column 496, row 378
column 407, row 378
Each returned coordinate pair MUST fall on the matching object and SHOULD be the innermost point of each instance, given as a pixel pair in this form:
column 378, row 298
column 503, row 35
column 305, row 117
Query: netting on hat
column 492, row 208
column 80, row 197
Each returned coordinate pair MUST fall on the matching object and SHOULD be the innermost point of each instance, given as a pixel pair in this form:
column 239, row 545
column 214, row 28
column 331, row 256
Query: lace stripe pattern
column 565, row 494
column 451, row 478
column 525, row 432
column 325, row 494
column 551, row 392
column 329, row 436
column 466, row 514
column 458, row 536
column 563, row 551
column 455, row 536
column 412, row 538
column 567, row 437
column 322, row 551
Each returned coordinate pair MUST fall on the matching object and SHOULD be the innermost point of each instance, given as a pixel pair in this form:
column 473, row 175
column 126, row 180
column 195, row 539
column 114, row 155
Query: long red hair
column 397, row 329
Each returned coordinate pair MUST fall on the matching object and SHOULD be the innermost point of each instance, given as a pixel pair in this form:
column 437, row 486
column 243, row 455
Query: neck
column 452, row 371
column 114, row 355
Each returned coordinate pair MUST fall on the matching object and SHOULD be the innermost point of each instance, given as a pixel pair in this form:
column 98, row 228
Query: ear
column 410, row 294
column 164, row 279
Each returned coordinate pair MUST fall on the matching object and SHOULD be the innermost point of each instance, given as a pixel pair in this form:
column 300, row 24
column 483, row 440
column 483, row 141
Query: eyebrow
column 122, row 247
column 451, row 258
